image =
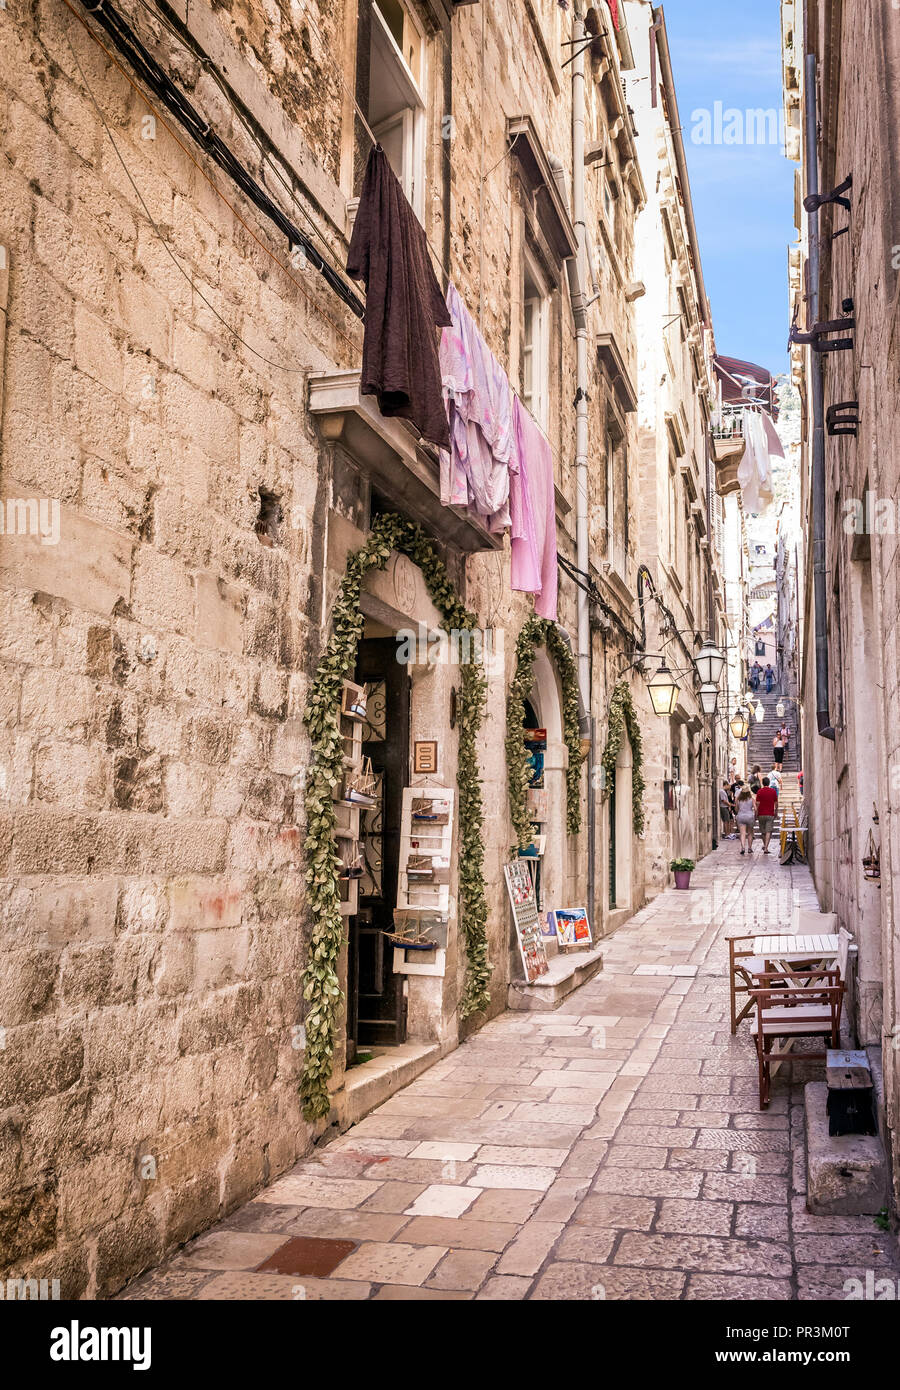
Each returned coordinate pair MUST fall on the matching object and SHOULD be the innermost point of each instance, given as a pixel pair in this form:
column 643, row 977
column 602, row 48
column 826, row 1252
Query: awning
column 746, row 383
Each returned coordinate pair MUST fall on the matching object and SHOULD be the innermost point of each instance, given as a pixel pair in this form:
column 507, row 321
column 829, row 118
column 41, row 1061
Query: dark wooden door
column 376, row 1007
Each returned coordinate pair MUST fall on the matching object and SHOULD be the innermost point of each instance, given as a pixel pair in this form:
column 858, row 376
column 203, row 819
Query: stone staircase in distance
column 759, row 750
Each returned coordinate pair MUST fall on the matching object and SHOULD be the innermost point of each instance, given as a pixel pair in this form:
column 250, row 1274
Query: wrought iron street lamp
column 709, row 698
column 740, row 723
column 709, row 663
column 664, row 692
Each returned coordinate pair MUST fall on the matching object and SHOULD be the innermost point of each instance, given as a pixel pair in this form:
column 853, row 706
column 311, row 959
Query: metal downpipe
column 817, row 381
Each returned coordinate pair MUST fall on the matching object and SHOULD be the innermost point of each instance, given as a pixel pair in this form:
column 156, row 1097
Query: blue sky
column 743, row 194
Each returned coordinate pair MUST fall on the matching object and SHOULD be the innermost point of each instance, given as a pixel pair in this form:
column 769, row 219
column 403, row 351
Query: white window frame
column 412, row 117
column 537, row 349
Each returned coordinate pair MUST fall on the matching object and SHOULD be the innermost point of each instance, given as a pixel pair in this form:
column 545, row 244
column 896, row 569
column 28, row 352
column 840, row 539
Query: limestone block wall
column 156, row 656
column 860, row 120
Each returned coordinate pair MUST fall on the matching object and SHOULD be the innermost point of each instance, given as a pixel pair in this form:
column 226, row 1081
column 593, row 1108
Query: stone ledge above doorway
column 391, row 457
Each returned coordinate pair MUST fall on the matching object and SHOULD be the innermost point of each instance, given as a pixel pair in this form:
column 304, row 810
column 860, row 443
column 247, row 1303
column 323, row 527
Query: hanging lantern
column 779, row 709
column 740, row 724
column 709, row 698
column 664, row 692
column 760, row 713
column 709, row 663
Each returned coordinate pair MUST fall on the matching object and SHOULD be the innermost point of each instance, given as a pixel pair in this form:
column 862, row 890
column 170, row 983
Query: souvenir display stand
column 346, row 813
column 422, row 914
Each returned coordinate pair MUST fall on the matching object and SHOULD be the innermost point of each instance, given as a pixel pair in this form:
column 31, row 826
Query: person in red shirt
column 766, row 801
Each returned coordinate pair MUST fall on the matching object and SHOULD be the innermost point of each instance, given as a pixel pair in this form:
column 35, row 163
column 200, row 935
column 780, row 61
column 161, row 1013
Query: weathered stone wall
column 157, row 650
column 860, row 123
column 155, row 665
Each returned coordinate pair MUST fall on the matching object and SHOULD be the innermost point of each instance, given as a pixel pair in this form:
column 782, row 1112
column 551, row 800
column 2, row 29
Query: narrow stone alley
column 611, row 1149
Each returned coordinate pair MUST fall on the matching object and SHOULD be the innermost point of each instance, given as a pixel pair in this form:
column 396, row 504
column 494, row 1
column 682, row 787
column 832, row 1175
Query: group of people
column 758, row 675
column 742, row 804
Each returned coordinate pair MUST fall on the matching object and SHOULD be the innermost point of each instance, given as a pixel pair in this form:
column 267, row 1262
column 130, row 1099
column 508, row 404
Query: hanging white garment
column 755, row 469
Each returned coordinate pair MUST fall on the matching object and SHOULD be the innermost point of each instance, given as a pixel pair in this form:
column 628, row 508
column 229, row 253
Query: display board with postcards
column 520, row 886
column 356, row 791
column 422, row 914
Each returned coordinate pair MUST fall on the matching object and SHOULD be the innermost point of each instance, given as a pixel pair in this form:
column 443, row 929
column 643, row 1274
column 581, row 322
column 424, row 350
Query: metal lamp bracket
column 820, row 331
column 814, row 201
column 843, row 418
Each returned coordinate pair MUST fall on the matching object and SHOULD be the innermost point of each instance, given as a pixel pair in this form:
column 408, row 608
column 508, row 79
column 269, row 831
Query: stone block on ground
column 846, row 1174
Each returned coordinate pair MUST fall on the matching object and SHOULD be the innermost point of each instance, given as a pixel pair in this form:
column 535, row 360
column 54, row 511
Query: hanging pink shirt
column 533, row 514
column 475, row 470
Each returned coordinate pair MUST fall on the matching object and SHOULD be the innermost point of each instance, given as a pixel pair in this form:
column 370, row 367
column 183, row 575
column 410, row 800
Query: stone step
column 567, row 971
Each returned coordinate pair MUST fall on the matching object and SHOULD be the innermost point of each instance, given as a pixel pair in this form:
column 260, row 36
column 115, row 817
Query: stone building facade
column 851, row 717
column 677, row 395
column 181, row 418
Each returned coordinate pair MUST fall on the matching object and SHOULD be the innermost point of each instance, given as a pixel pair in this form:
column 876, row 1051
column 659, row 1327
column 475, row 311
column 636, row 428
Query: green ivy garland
column 535, row 633
column 321, row 988
column 622, row 718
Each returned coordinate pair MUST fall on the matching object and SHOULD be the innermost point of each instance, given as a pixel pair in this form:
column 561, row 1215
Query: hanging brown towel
column 404, row 304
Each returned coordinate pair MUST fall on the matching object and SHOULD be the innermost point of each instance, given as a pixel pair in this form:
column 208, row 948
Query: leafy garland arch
column 623, row 719
column 541, row 632
column 321, row 989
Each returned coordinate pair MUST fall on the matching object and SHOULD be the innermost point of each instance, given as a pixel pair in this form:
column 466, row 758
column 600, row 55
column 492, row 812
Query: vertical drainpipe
column 817, row 380
column 713, row 633
column 579, row 310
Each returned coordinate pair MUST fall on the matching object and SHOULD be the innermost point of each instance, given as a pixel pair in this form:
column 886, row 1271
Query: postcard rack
column 352, row 718
column 423, row 888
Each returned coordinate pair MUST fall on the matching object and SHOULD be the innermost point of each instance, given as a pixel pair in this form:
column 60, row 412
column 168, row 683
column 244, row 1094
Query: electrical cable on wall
column 190, row 279
column 176, row 102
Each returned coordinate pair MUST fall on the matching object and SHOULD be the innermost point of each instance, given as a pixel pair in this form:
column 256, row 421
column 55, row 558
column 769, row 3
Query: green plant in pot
column 682, row 869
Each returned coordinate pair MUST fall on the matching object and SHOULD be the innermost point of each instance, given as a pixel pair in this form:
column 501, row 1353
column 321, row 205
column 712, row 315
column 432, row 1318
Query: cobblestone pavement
column 611, row 1149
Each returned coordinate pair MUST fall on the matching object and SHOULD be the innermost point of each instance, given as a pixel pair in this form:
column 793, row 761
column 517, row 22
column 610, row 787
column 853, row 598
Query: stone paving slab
column 612, row 1149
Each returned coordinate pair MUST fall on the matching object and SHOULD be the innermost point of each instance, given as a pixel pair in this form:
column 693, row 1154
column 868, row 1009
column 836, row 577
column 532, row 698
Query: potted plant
column 682, row 869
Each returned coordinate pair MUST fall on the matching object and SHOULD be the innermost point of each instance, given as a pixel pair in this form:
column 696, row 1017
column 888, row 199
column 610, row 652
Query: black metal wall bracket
column 843, row 418
column 819, row 331
column 813, row 201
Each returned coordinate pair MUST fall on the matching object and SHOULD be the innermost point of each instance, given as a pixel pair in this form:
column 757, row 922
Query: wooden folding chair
column 788, row 1012
column 743, row 967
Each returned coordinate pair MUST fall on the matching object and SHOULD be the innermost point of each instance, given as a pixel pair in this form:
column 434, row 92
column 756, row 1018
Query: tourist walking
column 766, row 802
column 755, row 675
column 756, row 779
column 770, row 678
column 745, row 806
column 775, row 775
column 778, row 747
column 725, row 810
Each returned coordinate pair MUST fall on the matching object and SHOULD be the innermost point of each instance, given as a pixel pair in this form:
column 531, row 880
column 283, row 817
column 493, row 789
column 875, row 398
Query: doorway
column 376, row 1003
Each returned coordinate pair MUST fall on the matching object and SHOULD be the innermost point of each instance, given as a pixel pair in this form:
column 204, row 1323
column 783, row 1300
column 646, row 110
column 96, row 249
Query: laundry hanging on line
column 499, row 464
column 533, row 513
column 404, row 304
column 475, row 470
column 755, row 469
